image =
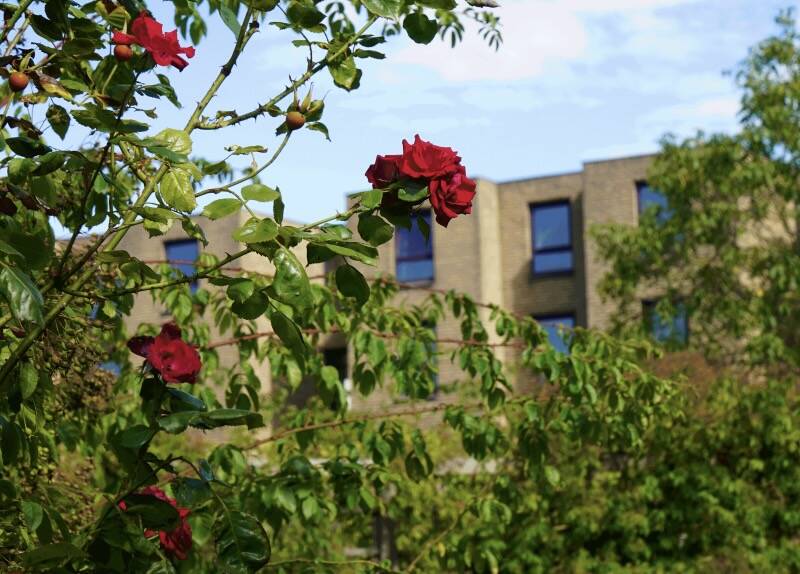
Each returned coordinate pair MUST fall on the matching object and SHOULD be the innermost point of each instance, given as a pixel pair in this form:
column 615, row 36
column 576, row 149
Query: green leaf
column 50, row 162
column 290, row 284
column 220, row 208
column 181, row 401
column 290, row 335
column 277, row 210
column 9, row 250
column 372, row 198
column 28, row 380
column 178, row 422
column 95, row 117
column 252, row 307
column 351, row 283
column 385, row 8
column 27, row 147
column 438, row 4
column 176, row 189
column 235, row 417
column 154, row 512
column 346, row 74
column 136, row 436
column 319, row 127
column 241, row 290
column 552, row 475
column 319, row 252
column 256, row 231
column 52, row 553
column 33, row 513
column 22, row 295
column 190, row 492
column 259, row 192
column 304, row 14
column 242, row 542
column 374, row 229
column 420, row 28
column 175, row 140
column 230, row 19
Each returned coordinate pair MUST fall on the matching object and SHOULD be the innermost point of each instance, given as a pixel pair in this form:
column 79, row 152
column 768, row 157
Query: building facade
column 525, row 248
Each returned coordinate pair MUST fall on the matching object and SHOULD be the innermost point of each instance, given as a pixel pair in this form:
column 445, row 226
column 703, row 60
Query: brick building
column 525, row 248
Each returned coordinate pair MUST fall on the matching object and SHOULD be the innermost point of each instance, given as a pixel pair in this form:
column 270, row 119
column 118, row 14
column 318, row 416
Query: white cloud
column 543, row 36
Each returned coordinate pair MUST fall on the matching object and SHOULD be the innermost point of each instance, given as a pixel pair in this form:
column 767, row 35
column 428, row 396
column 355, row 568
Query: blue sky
column 575, row 80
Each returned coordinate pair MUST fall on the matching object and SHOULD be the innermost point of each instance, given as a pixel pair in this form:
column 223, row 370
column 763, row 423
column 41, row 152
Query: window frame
column 649, row 308
column 193, row 285
column 665, row 212
column 532, row 207
column 410, row 259
column 560, row 315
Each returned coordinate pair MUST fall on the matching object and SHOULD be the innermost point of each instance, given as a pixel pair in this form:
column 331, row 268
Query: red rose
column 176, row 542
column 385, row 171
column 423, row 160
column 149, row 34
column 451, row 196
column 174, row 359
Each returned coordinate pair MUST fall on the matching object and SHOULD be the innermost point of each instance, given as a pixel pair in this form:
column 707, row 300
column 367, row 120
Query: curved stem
column 294, row 85
column 250, row 176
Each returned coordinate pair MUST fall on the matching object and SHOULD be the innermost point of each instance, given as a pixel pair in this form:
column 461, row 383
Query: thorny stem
column 250, row 176
column 294, row 85
column 33, row 334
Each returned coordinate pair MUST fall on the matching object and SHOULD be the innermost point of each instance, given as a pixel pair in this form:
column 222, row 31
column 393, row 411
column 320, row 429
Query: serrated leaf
column 21, row 294
column 374, row 229
column 230, row 19
column 135, row 436
column 242, row 543
column 260, row 192
column 351, row 283
column 34, row 513
column 28, row 380
column 176, row 189
column 290, row 284
column 420, row 28
column 220, row 208
column 346, row 74
column 289, row 333
column 385, row 8
column 256, row 231
column 175, row 140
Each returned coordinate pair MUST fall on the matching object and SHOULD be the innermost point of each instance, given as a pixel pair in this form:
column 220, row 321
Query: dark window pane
column 649, row 197
column 179, row 255
column 551, row 325
column 413, row 251
column 552, row 261
column 551, row 226
column 551, row 231
column 673, row 330
column 336, row 358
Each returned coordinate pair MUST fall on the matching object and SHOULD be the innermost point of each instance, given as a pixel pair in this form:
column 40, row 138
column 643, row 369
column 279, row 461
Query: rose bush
column 495, row 478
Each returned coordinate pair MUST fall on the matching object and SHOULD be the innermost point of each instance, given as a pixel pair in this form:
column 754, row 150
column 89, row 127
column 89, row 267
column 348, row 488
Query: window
column 413, row 251
column 671, row 330
column 649, row 197
column 551, row 230
column 551, row 324
column 181, row 254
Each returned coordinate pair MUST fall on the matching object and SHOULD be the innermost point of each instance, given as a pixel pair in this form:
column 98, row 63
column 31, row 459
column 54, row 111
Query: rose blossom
column 174, row 359
column 149, row 34
column 451, row 197
column 424, row 160
column 385, row 171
